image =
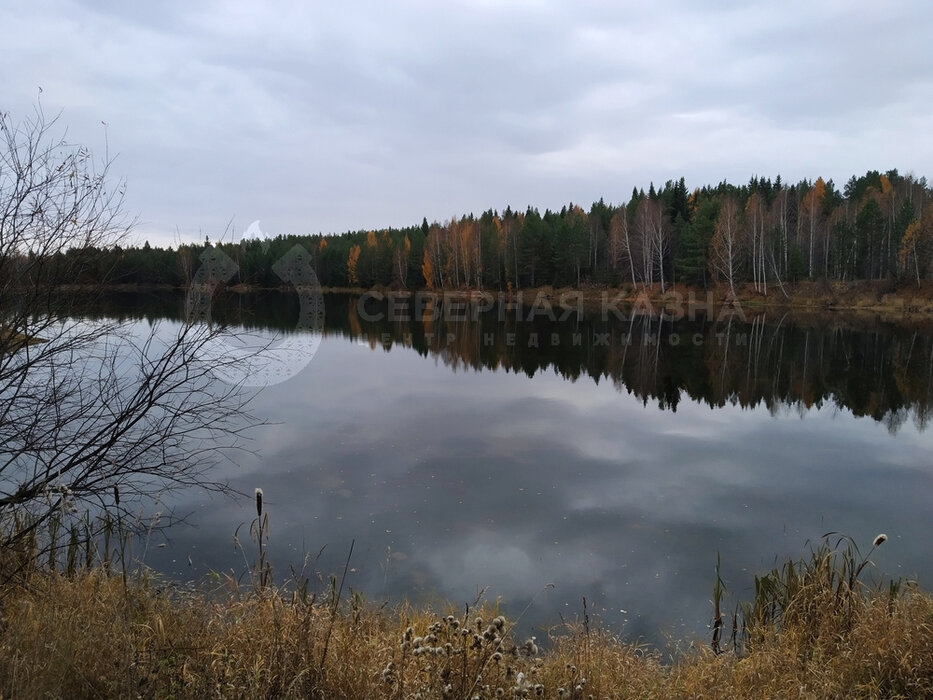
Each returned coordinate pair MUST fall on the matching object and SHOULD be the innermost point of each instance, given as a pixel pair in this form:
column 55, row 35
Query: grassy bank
column 878, row 296
column 813, row 630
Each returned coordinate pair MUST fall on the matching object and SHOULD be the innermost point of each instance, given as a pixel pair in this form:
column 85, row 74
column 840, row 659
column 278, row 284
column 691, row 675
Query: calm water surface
column 613, row 458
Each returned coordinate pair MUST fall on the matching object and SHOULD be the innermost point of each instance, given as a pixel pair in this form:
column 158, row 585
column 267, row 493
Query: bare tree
column 653, row 231
column 642, row 239
column 726, row 244
column 660, row 239
column 93, row 413
column 756, row 215
column 620, row 246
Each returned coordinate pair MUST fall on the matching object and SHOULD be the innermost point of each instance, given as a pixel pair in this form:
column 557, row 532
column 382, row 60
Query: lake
column 613, row 455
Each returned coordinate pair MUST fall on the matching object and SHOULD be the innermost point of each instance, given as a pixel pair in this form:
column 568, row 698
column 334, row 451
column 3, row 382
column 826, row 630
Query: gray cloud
column 317, row 117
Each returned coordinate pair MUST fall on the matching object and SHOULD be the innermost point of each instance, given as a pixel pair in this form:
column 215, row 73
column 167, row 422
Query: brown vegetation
column 93, row 635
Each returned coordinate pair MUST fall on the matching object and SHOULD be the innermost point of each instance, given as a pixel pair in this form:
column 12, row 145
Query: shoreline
column 97, row 632
column 852, row 303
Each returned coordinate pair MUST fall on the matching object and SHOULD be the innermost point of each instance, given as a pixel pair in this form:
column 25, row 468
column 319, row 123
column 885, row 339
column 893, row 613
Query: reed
column 816, row 628
column 820, row 593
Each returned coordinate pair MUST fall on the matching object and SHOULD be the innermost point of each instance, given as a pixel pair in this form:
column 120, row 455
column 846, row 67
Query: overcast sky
column 315, row 117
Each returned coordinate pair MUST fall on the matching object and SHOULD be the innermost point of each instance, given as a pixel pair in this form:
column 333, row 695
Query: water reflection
column 459, row 457
column 742, row 358
column 748, row 358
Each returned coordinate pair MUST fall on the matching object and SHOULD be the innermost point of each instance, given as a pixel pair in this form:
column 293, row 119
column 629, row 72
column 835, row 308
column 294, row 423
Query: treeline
column 765, row 233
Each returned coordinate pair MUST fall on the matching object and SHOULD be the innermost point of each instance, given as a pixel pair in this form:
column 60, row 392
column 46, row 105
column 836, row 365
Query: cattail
column 116, row 495
column 880, row 540
column 388, row 673
column 259, row 502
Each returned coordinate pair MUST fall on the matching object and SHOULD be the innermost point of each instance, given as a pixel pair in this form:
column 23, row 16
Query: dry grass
column 90, row 636
column 813, row 630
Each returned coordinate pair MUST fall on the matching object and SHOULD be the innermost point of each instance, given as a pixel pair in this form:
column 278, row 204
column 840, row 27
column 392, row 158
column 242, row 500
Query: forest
column 763, row 235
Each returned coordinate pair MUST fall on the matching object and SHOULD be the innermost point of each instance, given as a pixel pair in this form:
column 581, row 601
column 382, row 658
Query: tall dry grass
column 91, row 636
column 814, row 630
